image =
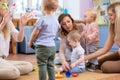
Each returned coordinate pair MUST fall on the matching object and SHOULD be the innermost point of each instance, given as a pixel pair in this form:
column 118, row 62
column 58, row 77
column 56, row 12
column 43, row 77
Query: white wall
column 73, row 7
column 77, row 7
column 85, row 4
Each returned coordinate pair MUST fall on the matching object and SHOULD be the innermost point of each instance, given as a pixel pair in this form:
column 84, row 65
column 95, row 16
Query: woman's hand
column 29, row 44
column 119, row 51
column 65, row 65
column 25, row 18
column 5, row 13
column 118, row 43
column 5, row 18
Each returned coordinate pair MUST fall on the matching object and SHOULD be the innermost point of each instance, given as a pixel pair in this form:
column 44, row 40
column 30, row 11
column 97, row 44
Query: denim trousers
column 45, row 60
column 77, row 69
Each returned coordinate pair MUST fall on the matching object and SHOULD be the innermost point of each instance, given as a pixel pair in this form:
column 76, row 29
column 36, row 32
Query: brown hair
column 115, row 28
column 62, row 31
column 50, row 5
column 74, row 35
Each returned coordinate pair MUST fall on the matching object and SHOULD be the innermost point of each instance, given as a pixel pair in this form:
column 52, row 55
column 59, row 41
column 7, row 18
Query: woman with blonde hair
column 111, row 62
column 11, row 69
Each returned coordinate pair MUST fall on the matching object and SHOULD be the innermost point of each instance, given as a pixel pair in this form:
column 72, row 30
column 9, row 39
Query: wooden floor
column 97, row 75
column 22, row 56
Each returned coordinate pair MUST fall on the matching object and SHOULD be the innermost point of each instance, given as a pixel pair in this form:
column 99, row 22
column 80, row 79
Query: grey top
column 64, row 44
column 48, row 26
column 77, row 52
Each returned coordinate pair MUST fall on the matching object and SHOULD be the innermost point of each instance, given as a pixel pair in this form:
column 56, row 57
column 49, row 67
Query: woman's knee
column 26, row 68
column 12, row 73
column 105, row 67
column 111, row 67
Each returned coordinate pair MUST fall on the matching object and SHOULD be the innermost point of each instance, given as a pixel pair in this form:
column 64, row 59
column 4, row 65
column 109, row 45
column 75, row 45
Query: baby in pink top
column 91, row 34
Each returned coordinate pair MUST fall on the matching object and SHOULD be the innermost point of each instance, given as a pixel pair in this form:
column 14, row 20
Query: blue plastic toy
column 68, row 74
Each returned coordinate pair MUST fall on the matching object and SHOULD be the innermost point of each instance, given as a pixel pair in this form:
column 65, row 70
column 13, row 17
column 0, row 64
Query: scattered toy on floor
column 59, row 75
column 75, row 74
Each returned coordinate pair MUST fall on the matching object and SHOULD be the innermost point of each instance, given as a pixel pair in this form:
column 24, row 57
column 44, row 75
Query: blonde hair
column 50, row 5
column 91, row 12
column 115, row 28
column 74, row 35
column 5, row 29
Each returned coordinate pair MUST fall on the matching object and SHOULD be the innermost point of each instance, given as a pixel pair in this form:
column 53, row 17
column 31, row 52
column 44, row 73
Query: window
column 34, row 5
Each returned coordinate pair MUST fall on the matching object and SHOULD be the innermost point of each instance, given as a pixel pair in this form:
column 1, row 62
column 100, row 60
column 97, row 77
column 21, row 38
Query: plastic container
column 68, row 74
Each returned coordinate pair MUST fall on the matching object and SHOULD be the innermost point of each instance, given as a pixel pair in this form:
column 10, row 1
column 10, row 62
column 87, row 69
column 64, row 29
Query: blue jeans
column 77, row 69
column 45, row 60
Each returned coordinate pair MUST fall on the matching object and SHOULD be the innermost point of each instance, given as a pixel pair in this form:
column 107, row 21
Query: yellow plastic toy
column 58, row 75
column 35, row 69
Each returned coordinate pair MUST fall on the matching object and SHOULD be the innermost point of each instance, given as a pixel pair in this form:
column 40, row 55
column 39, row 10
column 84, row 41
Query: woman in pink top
column 111, row 62
column 91, row 33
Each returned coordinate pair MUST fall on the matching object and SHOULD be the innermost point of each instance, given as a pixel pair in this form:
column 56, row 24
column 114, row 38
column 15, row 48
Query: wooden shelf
column 30, row 23
column 16, row 23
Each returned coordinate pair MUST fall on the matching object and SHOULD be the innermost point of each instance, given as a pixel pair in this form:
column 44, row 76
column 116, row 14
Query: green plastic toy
column 4, row 6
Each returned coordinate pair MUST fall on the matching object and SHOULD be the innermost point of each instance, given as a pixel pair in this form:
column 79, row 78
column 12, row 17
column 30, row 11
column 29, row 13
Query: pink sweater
column 91, row 32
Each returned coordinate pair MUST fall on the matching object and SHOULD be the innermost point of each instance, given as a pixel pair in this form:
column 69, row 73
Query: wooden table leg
column 13, row 46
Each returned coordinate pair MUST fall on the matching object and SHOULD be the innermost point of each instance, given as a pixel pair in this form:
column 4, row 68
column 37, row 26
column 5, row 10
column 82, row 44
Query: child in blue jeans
column 77, row 63
column 43, row 35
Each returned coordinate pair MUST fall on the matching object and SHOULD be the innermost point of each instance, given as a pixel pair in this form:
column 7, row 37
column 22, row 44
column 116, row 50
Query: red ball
column 75, row 74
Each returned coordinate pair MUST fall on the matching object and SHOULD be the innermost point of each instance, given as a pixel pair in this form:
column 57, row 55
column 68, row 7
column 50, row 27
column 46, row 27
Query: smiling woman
column 8, row 30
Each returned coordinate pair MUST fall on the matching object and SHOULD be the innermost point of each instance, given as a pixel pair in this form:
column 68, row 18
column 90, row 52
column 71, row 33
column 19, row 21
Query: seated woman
column 11, row 69
column 67, row 25
column 111, row 62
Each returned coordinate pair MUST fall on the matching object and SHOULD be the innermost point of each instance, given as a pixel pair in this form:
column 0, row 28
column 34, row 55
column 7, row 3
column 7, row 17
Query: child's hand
column 82, row 24
column 118, row 43
column 86, row 37
column 73, row 65
column 83, row 34
column 25, row 18
column 65, row 65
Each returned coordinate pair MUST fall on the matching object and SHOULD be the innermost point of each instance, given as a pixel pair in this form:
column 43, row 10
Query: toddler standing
column 91, row 33
column 43, row 35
